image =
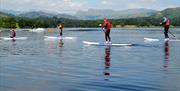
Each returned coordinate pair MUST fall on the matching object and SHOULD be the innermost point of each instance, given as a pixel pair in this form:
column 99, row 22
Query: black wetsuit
column 166, row 30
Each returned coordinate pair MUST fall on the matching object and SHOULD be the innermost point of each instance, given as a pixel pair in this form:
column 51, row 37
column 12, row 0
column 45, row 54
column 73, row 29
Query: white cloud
column 148, row 1
column 104, row 2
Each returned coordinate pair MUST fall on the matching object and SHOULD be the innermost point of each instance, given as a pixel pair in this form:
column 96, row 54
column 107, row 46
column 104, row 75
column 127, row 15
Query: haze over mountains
column 130, row 13
column 93, row 14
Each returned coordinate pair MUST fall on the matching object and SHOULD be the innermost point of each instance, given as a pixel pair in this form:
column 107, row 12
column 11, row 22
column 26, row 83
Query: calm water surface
column 36, row 64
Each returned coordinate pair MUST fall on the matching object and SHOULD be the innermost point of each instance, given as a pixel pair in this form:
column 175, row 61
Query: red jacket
column 106, row 25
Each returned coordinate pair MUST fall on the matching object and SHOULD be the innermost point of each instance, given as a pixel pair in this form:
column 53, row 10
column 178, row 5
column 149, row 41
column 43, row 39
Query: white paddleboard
column 38, row 30
column 174, row 40
column 151, row 39
column 54, row 38
column 16, row 38
column 155, row 40
column 103, row 44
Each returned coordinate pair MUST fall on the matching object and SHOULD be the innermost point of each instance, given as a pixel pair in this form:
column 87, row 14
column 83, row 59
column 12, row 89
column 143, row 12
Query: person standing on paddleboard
column 13, row 33
column 107, row 25
column 60, row 28
column 166, row 23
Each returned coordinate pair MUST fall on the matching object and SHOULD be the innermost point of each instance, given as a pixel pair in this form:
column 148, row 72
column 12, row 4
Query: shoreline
column 81, row 28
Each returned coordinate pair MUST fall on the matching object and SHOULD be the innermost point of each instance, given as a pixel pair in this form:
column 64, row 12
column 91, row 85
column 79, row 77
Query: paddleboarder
column 60, row 28
column 13, row 33
column 107, row 25
column 166, row 23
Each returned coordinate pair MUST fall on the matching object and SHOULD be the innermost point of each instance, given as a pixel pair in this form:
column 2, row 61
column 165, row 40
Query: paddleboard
column 38, row 30
column 16, row 38
column 53, row 38
column 155, row 40
column 151, row 39
column 104, row 44
column 174, row 40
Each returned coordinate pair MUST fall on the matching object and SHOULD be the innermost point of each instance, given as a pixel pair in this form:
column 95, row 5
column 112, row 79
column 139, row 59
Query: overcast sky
column 71, row 6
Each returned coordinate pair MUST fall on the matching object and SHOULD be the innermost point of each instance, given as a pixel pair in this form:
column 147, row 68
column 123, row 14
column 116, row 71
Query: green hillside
column 10, row 21
column 172, row 13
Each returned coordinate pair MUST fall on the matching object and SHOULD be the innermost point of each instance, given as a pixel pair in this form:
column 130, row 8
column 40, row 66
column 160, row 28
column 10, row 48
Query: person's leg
column 167, row 31
column 60, row 33
column 108, row 35
column 166, row 28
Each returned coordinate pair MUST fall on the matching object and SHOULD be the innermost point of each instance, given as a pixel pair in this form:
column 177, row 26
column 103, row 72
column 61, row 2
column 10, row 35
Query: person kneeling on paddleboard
column 60, row 28
column 13, row 34
column 107, row 25
column 166, row 23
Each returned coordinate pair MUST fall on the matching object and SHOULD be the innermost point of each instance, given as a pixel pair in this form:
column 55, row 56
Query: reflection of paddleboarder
column 166, row 23
column 166, row 54
column 61, row 43
column 107, row 63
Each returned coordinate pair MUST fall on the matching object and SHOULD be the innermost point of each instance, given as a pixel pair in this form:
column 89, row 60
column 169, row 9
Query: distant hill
column 36, row 14
column 13, row 12
column 92, row 14
column 95, row 14
column 90, row 18
column 170, row 12
column 66, row 16
column 3, row 14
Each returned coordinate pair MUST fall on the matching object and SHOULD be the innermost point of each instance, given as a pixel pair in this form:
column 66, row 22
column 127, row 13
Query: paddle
column 102, row 28
column 172, row 34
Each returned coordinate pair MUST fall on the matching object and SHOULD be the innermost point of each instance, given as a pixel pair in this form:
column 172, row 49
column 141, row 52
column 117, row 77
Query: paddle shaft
column 103, row 30
column 172, row 34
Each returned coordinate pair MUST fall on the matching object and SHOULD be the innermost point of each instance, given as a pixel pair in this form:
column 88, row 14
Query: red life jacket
column 167, row 23
column 106, row 25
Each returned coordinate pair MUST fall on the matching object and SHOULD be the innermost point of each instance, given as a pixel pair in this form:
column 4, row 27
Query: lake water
column 36, row 64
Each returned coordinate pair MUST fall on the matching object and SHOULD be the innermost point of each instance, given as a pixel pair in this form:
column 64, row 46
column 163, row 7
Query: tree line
column 47, row 22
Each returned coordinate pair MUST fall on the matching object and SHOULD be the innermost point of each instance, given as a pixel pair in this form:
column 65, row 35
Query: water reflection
column 13, row 43
column 13, row 47
column 53, row 45
column 107, row 62
column 61, row 43
column 166, row 54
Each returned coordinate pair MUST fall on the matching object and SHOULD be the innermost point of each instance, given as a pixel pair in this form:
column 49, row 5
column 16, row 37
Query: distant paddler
column 107, row 26
column 166, row 23
column 51, row 30
column 60, row 28
column 13, row 33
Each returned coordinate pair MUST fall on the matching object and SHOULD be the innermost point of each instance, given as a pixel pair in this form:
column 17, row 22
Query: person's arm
column 164, row 20
column 58, row 27
column 103, row 25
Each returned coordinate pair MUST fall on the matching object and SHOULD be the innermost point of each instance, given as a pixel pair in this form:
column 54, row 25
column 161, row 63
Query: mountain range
column 93, row 14
column 100, row 14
